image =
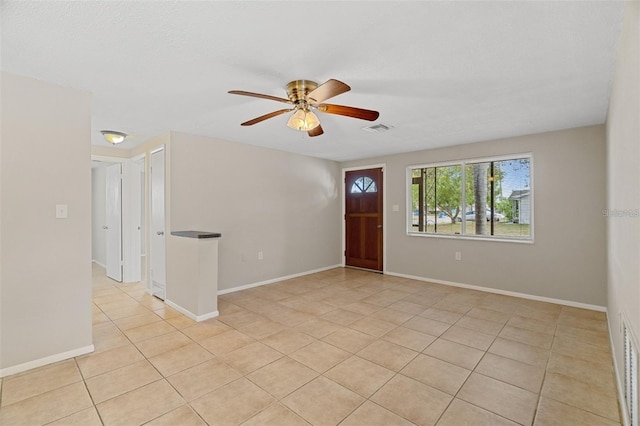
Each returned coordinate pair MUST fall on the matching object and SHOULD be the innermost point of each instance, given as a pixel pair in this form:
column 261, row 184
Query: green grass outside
column 500, row 229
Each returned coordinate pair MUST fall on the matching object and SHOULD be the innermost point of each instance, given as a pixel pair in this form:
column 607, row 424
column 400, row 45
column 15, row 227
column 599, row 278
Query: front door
column 363, row 217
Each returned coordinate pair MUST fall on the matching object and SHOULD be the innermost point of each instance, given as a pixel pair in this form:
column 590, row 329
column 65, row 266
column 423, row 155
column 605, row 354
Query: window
column 483, row 198
column 363, row 184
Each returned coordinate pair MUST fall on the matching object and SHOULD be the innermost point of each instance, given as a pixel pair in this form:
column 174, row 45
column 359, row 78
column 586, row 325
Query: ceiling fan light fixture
column 114, row 137
column 303, row 120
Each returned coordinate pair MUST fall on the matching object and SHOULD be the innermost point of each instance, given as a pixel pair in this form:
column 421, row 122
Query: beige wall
column 623, row 188
column 45, row 273
column 567, row 261
column 285, row 205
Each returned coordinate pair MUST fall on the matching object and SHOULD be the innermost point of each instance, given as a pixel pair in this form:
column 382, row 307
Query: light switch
column 61, row 211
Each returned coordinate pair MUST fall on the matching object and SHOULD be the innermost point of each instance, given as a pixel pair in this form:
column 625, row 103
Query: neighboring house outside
column 521, row 206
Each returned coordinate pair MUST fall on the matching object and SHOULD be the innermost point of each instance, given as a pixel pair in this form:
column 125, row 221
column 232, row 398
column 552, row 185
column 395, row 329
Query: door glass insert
column 363, row 184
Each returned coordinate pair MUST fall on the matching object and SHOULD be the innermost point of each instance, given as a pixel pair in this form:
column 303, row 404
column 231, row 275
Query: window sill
column 472, row 238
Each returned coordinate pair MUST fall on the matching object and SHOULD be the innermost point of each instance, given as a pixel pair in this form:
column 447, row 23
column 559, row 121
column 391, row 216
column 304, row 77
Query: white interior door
column 157, row 226
column 113, row 226
column 136, row 224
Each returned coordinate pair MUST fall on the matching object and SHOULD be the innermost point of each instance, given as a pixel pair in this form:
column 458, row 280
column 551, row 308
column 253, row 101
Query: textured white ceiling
column 441, row 73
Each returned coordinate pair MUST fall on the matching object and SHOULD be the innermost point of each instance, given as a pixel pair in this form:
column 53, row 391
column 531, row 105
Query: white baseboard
column 275, row 280
column 190, row 314
column 99, row 264
column 504, row 292
column 8, row 371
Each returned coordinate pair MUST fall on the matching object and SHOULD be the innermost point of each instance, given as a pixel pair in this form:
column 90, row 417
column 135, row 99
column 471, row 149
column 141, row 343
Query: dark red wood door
column 363, row 216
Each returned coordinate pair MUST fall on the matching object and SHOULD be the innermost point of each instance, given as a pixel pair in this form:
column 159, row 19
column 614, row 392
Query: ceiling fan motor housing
column 298, row 90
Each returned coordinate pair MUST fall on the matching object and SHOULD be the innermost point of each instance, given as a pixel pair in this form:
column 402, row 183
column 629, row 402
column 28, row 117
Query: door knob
column 379, row 226
column 105, row 227
column 160, row 232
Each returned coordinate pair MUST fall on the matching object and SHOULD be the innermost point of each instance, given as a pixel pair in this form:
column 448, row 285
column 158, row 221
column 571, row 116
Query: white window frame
column 463, row 163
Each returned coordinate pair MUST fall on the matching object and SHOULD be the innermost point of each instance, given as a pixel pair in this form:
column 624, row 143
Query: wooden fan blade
column 266, row 116
column 363, row 114
column 327, row 90
column 259, row 95
column 316, row 131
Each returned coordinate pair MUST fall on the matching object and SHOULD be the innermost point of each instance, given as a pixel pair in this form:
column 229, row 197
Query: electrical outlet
column 61, row 211
column 458, row 255
column 260, row 255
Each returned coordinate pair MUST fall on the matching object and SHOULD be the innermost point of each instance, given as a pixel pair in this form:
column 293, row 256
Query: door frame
column 382, row 166
column 128, row 272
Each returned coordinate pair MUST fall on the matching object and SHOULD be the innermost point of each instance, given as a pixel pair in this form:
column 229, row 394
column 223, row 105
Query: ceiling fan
column 305, row 96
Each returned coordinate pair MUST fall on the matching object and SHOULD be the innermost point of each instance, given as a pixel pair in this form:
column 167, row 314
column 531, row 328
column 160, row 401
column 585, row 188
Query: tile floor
column 341, row 347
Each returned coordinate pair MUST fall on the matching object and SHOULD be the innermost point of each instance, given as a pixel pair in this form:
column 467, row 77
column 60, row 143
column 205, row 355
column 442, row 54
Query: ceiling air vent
column 377, row 128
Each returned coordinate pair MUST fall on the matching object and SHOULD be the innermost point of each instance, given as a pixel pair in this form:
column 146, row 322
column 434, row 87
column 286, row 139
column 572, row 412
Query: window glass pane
column 363, row 184
column 497, row 198
column 513, row 197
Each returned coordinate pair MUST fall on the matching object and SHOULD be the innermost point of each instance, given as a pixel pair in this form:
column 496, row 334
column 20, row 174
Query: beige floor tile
column 388, row 355
column 371, row 414
column 148, row 331
column 102, row 362
column 386, row 297
column 288, row 341
column 261, row 329
column 47, row 407
column 554, row 413
column 441, row 315
column 579, row 313
column 137, row 320
column 99, row 317
column 408, row 307
column 323, row 402
column 316, row 307
column 359, row 375
column 472, row 338
column 122, row 380
column 226, row 342
column 107, row 336
column 251, row 357
column 276, row 414
column 525, row 376
column 141, row 405
column 41, row 380
column 320, row 356
column 412, row 400
column 123, row 301
column 349, row 340
column 182, row 416
column 548, row 327
column 436, row 373
column 597, row 338
column 409, row 338
column 373, row 326
column 342, row 316
column 479, row 324
column 172, row 362
column 166, row 312
column 583, row 322
column 581, row 350
column 163, row 343
column 127, row 311
column 88, row 417
column 362, row 308
column 506, row 400
column 233, row 403
column 533, row 338
column 461, row 413
column 196, row 381
column 427, row 325
column 598, row 374
column 454, row 353
column 580, row 395
column 489, row 314
column 282, row 377
column 204, row 330
column 181, row 322
column 520, row 352
column 392, row 315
